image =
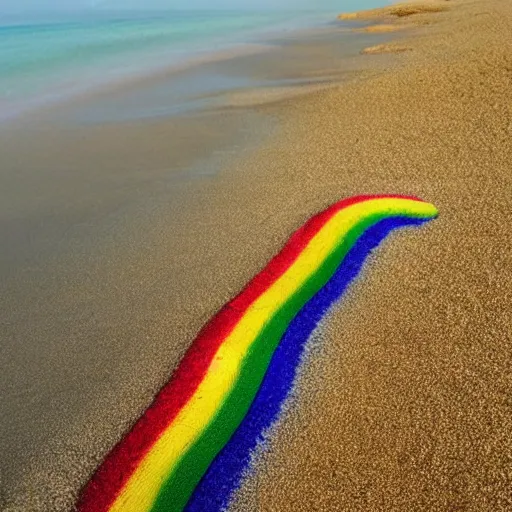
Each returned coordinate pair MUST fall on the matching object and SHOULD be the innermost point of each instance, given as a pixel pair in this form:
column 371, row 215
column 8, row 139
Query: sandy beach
column 403, row 401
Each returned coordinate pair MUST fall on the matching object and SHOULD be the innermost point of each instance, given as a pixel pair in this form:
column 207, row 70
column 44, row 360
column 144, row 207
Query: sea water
column 45, row 60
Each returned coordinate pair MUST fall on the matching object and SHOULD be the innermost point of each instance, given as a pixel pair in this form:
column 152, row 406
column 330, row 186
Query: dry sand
column 404, row 401
column 398, row 16
column 398, row 10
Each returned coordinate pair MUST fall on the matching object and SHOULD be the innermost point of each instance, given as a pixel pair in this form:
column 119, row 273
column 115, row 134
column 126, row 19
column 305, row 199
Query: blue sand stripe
column 224, row 475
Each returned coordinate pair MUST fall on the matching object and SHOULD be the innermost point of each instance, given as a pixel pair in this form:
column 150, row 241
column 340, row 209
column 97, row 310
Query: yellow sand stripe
column 142, row 489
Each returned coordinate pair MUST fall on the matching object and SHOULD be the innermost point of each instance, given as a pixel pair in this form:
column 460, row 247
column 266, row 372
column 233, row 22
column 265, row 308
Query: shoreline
column 255, row 42
column 51, row 101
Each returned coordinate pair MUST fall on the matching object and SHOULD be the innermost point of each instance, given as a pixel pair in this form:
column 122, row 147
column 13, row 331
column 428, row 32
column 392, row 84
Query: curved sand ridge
column 158, row 464
column 399, row 10
column 395, row 17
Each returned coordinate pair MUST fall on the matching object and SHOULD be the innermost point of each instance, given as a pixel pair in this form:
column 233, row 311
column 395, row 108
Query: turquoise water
column 43, row 61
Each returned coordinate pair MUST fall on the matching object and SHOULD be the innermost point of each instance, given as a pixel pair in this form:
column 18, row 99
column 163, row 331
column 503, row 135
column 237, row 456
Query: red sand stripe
column 104, row 487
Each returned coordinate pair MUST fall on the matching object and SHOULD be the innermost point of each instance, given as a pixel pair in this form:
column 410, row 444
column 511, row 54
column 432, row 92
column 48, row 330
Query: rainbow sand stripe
column 224, row 475
column 190, row 447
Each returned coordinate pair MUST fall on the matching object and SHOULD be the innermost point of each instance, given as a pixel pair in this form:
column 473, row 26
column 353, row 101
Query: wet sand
column 403, row 402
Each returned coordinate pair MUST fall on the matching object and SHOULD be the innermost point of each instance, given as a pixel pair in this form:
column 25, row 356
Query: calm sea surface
column 44, row 60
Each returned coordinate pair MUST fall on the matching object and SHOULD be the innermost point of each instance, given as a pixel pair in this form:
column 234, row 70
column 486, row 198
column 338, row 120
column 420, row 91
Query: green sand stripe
column 180, row 484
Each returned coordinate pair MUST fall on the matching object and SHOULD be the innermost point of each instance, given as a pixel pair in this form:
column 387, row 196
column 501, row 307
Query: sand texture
column 398, row 10
column 397, row 17
column 403, row 402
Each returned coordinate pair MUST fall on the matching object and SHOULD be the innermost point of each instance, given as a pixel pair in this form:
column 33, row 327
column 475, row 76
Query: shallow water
column 43, row 61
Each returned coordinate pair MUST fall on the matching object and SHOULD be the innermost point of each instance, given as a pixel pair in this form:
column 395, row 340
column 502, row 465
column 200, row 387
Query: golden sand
column 403, row 402
column 397, row 17
column 399, row 10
